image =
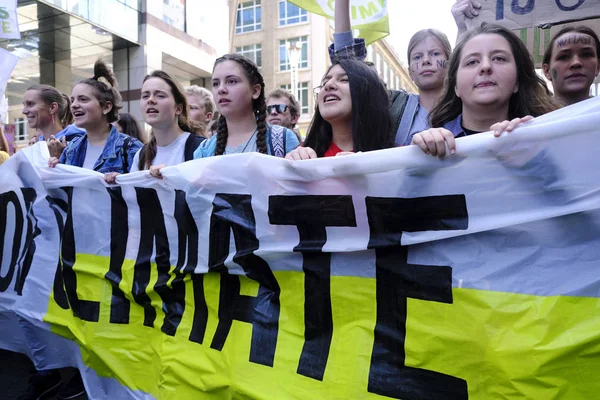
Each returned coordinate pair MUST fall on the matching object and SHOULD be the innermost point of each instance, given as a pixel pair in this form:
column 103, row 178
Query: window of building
column 370, row 54
column 249, row 17
column 302, row 95
column 398, row 87
column 21, row 129
column 378, row 63
column 284, row 62
column 386, row 72
column 253, row 52
column 291, row 14
column 174, row 13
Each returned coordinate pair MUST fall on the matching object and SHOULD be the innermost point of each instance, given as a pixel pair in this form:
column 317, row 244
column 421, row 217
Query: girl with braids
column 352, row 114
column 48, row 111
column 165, row 108
column 239, row 90
column 95, row 105
column 491, row 78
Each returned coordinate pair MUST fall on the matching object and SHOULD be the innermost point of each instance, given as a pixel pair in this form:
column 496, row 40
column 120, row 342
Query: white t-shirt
column 92, row 154
column 172, row 154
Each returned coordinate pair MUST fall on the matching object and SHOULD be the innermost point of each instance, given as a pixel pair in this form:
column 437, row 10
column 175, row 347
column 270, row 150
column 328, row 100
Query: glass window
column 370, row 54
column 386, row 72
column 284, row 62
column 253, row 52
column 398, row 87
column 249, row 17
column 174, row 13
column 302, row 95
column 21, row 129
column 378, row 63
column 291, row 14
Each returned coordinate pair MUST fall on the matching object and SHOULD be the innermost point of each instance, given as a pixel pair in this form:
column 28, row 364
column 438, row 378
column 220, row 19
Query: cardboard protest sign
column 517, row 14
column 536, row 21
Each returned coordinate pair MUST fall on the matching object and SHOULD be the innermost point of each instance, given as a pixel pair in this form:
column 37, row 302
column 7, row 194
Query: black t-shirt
column 468, row 132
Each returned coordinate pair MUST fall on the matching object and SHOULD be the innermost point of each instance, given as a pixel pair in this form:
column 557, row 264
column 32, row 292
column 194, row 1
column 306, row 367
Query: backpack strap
column 125, row 153
column 191, row 144
column 408, row 117
column 277, row 140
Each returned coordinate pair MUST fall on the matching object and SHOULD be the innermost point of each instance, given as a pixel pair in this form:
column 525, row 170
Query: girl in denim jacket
column 95, row 105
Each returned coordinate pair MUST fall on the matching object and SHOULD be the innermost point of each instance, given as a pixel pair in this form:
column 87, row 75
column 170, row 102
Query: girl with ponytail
column 48, row 111
column 165, row 108
column 239, row 91
column 95, row 105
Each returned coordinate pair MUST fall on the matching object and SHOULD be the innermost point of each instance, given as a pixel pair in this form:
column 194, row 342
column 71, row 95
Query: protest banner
column 535, row 22
column 388, row 274
column 369, row 17
column 8, row 62
column 9, row 22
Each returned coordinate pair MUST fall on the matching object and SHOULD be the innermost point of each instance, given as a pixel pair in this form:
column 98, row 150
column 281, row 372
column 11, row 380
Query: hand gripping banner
column 389, row 274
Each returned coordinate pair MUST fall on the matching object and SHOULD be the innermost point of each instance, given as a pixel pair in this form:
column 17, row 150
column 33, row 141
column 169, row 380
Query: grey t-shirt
column 248, row 147
column 92, row 154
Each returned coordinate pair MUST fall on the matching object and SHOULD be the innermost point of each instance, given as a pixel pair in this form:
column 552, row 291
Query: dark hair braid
column 221, row 136
column 259, row 105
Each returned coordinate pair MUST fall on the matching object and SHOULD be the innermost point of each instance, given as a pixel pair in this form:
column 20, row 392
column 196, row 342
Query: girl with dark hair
column 491, row 78
column 352, row 114
column 239, row 90
column 165, row 108
column 129, row 125
column 572, row 62
column 428, row 54
column 95, row 105
column 49, row 112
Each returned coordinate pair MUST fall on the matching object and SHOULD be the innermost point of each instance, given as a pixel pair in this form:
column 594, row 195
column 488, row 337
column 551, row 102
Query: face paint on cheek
column 443, row 64
column 554, row 73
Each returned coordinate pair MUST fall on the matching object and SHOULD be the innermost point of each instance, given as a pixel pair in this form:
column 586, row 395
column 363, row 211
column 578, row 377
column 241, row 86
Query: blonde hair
column 205, row 94
column 424, row 34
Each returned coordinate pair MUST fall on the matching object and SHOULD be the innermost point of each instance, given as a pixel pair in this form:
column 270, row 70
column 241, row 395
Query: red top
column 332, row 150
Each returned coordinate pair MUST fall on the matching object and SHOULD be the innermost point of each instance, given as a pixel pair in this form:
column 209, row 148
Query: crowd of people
column 488, row 82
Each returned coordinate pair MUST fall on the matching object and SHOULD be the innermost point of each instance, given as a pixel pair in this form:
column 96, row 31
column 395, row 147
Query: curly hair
column 259, row 105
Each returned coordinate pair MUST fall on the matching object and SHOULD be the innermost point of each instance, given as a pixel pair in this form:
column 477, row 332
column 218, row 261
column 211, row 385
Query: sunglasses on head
column 280, row 108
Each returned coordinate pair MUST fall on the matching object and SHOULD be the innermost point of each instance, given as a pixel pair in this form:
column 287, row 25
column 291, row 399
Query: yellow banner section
column 504, row 345
column 369, row 17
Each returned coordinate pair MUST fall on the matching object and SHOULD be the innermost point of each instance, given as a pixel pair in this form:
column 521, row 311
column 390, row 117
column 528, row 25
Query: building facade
column 263, row 30
column 61, row 40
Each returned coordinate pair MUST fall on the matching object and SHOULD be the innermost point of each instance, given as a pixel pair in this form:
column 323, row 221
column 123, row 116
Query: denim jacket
column 114, row 158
